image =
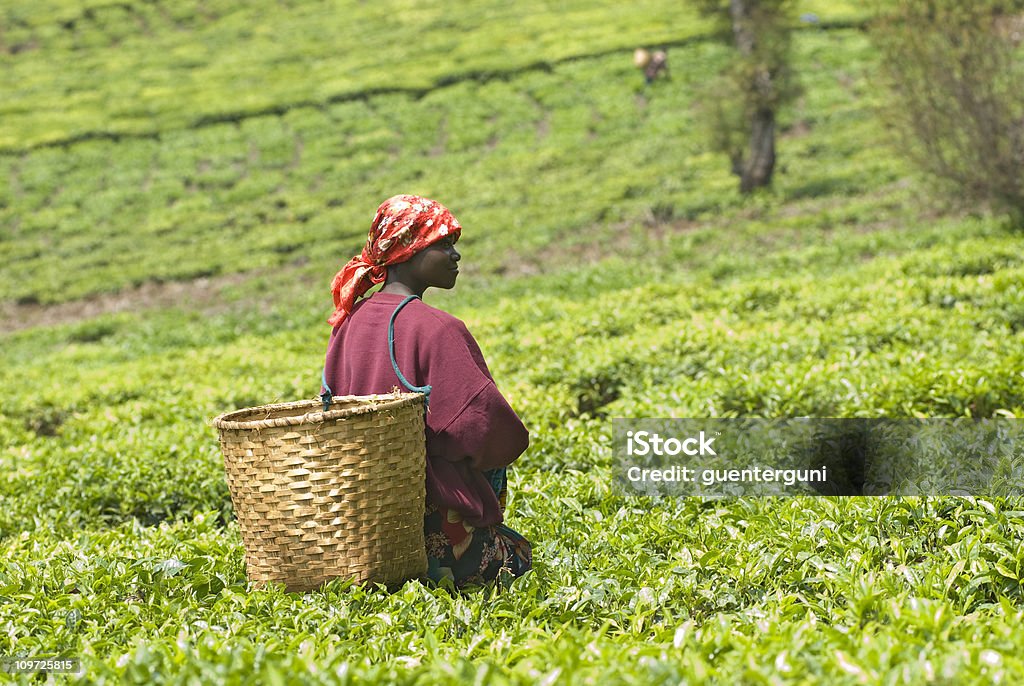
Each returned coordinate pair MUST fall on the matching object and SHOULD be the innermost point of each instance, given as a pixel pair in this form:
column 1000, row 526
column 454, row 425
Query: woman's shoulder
column 418, row 314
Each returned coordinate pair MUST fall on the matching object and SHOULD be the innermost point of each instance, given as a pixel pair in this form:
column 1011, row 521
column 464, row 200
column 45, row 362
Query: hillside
column 169, row 235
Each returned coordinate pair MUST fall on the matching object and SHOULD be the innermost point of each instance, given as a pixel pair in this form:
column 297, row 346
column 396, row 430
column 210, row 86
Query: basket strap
column 425, row 390
column 326, row 395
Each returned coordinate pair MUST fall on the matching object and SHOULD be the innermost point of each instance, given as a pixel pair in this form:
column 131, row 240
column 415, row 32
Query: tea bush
column 610, row 271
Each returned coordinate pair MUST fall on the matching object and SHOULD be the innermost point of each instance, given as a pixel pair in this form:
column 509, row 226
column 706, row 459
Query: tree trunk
column 755, row 168
column 760, row 161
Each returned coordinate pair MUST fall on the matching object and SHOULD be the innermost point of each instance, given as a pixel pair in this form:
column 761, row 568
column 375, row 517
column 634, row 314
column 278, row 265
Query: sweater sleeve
column 487, row 431
column 469, row 418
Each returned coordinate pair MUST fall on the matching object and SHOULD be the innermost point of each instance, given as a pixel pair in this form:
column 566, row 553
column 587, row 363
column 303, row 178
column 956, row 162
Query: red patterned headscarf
column 404, row 225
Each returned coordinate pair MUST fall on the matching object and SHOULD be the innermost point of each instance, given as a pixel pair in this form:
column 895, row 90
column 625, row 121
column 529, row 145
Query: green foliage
column 770, row 23
column 140, row 69
column 956, row 104
column 114, row 505
column 758, row 80
column 277, row 191
column 610, row 270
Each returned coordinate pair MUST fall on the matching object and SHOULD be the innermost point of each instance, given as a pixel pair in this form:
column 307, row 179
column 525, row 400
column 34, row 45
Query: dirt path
column 202, row 294
column 208, row 294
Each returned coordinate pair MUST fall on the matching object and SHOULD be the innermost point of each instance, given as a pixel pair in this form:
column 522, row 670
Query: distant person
column 472, row 433
column 652, row 64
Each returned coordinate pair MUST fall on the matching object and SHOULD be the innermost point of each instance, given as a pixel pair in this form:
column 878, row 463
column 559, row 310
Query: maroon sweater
column 470, row 426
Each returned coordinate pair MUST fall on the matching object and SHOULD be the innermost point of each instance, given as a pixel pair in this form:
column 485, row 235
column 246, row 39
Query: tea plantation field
column 175, row 198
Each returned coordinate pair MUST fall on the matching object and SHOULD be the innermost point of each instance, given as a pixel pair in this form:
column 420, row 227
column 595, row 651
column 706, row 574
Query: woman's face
column 436, row 265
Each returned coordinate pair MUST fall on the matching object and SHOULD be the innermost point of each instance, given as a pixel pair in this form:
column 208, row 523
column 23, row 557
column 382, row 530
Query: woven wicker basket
column 321, row 495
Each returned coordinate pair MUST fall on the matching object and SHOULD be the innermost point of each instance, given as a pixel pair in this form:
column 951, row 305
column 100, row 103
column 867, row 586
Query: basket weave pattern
column 321, row 495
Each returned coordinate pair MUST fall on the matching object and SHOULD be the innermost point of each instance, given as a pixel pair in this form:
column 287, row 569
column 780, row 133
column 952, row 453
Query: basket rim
column 366, row 404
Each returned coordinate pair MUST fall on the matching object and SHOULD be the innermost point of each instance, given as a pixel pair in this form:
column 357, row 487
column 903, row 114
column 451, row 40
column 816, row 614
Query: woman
column 472, row 433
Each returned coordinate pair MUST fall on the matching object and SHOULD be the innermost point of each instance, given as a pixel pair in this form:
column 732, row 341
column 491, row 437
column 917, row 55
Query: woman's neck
column 399, row 288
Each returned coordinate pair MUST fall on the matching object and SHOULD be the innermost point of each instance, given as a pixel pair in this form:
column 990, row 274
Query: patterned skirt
column 468, row 555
